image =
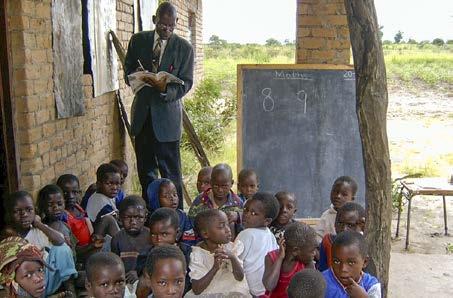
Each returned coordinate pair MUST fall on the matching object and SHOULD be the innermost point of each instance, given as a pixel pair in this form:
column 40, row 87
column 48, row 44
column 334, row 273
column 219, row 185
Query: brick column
column 322, row 32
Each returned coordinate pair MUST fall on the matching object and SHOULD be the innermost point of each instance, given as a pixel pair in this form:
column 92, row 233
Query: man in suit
column 157, row 110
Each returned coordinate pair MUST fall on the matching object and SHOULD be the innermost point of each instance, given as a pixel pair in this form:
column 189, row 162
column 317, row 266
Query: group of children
column 227, row 245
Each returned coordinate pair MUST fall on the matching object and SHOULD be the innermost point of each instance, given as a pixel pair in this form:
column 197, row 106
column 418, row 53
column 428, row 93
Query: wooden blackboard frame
column 242, row 67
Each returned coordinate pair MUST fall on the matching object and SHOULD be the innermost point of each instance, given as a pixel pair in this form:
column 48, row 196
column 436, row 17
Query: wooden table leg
column 408, row 224
column 445, row 216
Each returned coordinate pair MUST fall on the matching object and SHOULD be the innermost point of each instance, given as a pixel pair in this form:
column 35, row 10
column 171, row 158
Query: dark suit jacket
column 165, row 111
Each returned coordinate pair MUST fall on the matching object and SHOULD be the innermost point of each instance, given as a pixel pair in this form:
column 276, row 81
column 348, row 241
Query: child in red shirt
column 297, row 251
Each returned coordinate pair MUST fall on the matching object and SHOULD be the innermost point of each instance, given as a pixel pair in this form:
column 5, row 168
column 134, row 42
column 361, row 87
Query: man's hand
column 281, row 248
column 355, row 290
column 160, row 85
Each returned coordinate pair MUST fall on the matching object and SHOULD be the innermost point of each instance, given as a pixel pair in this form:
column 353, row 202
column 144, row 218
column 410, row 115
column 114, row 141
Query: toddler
column 308, row 283
column 204, row 179
column 162, row 193
column 165, row 272
column 133, row 239
column 288, row 207
column 105, row 276
column 23, row 222
column 247, row 184
column 343, row 190
column 350, row 217
column 346, row 277
column 296, row 252
column 258, row 240
column 221, row 197
column 214, row 265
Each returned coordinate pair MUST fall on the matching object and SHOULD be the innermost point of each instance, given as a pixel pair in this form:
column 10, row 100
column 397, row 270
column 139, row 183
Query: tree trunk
column 372, row 101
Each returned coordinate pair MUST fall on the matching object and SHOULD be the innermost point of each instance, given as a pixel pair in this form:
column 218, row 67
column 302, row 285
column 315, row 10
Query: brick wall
column 47, row 146
column 322, row 32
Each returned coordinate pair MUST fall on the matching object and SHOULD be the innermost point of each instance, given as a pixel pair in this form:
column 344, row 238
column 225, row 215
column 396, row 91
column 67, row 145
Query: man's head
column 165, row 20
column 105, row 276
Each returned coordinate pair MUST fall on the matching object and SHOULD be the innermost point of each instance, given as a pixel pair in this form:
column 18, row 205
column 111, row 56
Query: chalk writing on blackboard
column 291, row 75
column 302, row 97
column 268, row 101
column 349, row 75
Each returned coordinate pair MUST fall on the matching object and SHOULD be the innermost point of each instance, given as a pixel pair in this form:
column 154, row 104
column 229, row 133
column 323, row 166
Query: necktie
column 156, row 55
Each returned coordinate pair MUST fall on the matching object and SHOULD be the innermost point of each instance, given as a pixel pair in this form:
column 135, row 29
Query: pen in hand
column 141, row 65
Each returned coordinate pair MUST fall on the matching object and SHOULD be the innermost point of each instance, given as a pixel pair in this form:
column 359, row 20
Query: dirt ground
column 420, row 128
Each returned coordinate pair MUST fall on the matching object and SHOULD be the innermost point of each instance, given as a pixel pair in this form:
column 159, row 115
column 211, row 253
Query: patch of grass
column 427, row 168
column 449, row 248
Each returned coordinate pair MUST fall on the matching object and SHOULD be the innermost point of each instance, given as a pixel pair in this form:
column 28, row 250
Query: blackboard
column 298, row 128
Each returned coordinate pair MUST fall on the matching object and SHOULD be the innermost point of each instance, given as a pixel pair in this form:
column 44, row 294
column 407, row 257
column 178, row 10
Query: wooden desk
column 423, row 187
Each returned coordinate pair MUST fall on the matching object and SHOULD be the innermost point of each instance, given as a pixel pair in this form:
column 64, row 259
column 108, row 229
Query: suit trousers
column 154, row 156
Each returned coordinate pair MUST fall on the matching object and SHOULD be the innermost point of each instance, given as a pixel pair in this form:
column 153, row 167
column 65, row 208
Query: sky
column 255, row 21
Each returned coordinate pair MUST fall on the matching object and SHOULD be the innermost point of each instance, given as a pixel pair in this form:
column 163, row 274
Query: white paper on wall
column 104, row 64
column 147, row 10
column 67, row 57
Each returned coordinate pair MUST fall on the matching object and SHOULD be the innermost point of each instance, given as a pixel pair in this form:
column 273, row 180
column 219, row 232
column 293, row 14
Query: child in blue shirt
column 346, row 277
column 162, row 193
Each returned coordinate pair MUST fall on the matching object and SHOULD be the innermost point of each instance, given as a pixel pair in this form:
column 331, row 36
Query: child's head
column 260, row 210
column 204, row 179
column 70, row 186
column 122, row 166
column 212, row 225
column 288, row 206
column 164, row 226
column 51, row 202
column 301, row 242
column 133, row 214
column 308, row 283
column 165, row 271
column 221, row 181
column 168, row 196
column 20, row 210
column 350, row 217
column 108, row 180
column 22, row 265
column 247, row 183
column 105, row 276
column 343, row 190
column 349, row 257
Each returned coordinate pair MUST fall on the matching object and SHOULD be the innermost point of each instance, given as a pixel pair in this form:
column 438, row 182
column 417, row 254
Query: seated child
column 258, row 240
column 123, row 170
column 75, row 216
column 165, row 272
column 164, row 230
column 162, row 193
column 221, row 197
column 22, row 269
column 105, row 276
column 288, row 207
column 51, row 208
column 346, row 277
column 308, row 283
column 350, row 217
column 134, row 238
column 101, row 207
column 247, row 184
column 215, row 268
column 204, row 179
column 343, row 190
column 296, row 252
column 22, row 221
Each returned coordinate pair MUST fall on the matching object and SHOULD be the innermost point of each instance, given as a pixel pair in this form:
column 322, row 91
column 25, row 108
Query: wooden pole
column 372, row 102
